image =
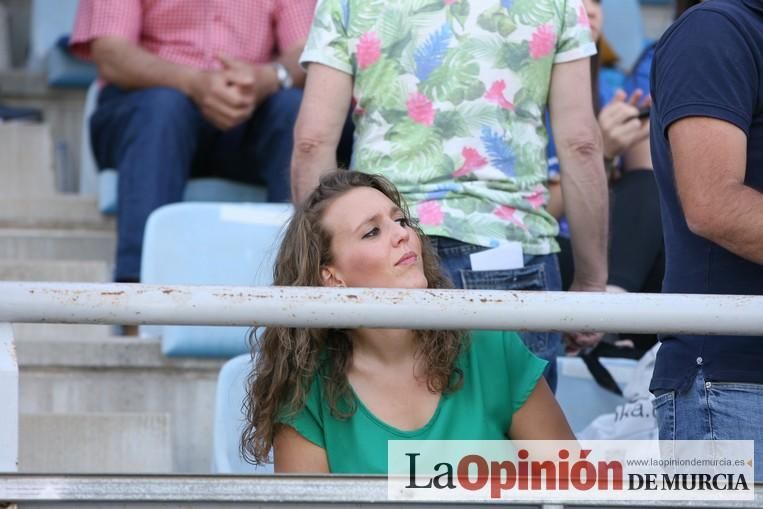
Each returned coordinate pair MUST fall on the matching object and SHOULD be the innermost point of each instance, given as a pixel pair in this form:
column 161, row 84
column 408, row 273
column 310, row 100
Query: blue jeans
column 156, row 138
column 708, row 410
column 539, row 273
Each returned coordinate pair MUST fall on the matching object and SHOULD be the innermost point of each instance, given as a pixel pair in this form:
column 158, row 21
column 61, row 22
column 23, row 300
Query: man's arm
column 710, row 162
column 584, row 183
column 328, row 93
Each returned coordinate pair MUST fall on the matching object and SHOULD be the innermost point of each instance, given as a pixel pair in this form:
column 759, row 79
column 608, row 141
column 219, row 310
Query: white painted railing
column 347, row 308
column 357, row 307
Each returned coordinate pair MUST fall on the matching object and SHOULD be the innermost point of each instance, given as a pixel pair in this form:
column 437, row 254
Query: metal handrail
column 362, row 307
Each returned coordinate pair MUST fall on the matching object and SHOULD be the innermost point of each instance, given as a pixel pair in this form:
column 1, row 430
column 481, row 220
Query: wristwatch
column 284, row 78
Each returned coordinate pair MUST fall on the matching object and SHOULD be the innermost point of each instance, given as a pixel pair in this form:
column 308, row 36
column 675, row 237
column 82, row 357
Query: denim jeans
column 708, row 410
column 539, row 273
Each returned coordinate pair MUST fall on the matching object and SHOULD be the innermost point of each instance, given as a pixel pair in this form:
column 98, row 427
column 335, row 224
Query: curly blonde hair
column 288, row 359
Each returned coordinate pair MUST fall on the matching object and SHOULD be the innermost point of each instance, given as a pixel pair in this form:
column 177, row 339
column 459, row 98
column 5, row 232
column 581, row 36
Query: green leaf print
column 380, row 85
column 536, row 76
column 460, row 11
column 496, row 20
column 479, row 114
column 451, row 124
column 533, row 12
column 456, row 80
column 364, row 14
column 428, row 6
column 513, row 56
column 416, row 147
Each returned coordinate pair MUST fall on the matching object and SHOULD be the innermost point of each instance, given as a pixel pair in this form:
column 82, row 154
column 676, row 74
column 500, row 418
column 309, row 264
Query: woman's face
column 372, row 245
column 595, row 17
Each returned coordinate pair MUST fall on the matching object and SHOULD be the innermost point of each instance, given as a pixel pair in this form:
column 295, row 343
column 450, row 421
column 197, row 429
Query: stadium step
column 82, row 443
column 56, row 211
column 26, row 165
column 51, row 270
column 63, row 373
column 51, row 244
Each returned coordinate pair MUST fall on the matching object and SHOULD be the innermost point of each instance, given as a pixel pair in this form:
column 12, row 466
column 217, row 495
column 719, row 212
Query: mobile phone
column 643, row 113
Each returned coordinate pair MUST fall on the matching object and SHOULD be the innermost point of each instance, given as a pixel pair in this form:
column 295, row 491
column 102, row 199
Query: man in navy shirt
column 707, row 147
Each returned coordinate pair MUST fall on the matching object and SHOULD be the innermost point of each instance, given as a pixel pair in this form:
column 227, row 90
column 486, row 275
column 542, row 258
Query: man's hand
column 229, row 96
column 620, row 126
column 576, row 341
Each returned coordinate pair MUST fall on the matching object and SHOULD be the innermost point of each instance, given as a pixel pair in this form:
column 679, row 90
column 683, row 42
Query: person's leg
column 150, row 137
column 270, row 139
column 735, row 414
column 539, row 273
column 636, row 243
column 708, row 410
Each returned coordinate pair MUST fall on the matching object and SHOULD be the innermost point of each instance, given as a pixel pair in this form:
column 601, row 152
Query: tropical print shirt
column 449, row 98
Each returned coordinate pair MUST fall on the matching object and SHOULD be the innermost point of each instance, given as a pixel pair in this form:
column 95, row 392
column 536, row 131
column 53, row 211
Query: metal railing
column 320, row 307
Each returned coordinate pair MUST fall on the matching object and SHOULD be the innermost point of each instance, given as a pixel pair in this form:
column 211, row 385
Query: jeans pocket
column 735, row 409
column 665, row 414
column 532, row 277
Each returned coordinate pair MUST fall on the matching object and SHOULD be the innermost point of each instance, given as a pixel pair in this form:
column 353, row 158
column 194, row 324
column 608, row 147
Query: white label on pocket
column 505, row 257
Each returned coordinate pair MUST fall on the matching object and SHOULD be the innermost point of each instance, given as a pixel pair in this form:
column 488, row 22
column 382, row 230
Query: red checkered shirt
column 193, row 32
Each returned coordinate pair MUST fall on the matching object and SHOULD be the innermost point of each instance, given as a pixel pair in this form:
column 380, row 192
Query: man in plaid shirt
column 191, row 87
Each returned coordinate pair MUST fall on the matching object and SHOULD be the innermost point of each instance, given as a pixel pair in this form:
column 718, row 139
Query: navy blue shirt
column 708, row 64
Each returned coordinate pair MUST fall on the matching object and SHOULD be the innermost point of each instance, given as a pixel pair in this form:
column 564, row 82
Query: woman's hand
column 620, row 126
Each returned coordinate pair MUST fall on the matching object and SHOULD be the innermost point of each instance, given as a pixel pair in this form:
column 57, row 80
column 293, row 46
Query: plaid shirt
column 193, row 32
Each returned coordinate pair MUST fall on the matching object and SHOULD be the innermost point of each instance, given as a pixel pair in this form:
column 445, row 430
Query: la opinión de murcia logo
column 474, row 473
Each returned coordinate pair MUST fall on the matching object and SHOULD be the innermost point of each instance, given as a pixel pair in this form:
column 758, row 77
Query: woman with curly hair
column 328, row 400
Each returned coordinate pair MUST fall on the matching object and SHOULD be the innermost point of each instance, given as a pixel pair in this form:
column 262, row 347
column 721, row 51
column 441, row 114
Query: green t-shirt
column 499, row 375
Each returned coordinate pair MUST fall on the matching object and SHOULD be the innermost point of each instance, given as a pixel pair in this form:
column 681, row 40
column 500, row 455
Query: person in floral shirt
column 448, row 99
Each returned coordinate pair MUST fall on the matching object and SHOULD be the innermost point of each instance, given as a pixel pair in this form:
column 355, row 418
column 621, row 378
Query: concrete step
column 51, row 270
column 56, row 333
column 84, row 443
column 21, row 244
column 26, row 165
column 122, row 375
column 55, row 211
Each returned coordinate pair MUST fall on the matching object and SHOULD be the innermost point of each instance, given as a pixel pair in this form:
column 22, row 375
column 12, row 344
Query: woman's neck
column 386, row 346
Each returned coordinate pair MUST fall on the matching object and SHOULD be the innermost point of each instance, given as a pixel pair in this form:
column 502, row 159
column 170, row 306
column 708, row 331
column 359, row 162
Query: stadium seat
column 229, row 420
column 580, row 397
column 210, row 244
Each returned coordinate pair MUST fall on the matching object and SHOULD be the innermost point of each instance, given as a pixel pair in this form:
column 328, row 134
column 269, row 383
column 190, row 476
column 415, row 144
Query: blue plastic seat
column 211, row 244
column 580, row 397
column 229, row 420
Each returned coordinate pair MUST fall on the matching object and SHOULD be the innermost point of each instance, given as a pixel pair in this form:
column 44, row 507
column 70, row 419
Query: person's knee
column 164, row 104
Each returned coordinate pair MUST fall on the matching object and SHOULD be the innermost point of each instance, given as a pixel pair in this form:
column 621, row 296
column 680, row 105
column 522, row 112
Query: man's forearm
column 128, row 66
column 310, row 162
column 586, row 204
column 736, row 223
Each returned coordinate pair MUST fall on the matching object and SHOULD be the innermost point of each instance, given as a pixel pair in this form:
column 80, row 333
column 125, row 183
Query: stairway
column 90, row 402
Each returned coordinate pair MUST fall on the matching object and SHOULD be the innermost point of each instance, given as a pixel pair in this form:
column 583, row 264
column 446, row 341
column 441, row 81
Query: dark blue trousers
column 156, row 139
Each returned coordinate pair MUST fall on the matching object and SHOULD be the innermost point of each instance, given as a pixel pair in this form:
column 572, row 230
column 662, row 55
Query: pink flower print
column 538, row 198
column 369, row 50
column 509, row 214
column 420, row 109
column 583, row 17
column 495, row 95
column 542, row 42
column 473, row 160
column 450, row 2
column 430, row 213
